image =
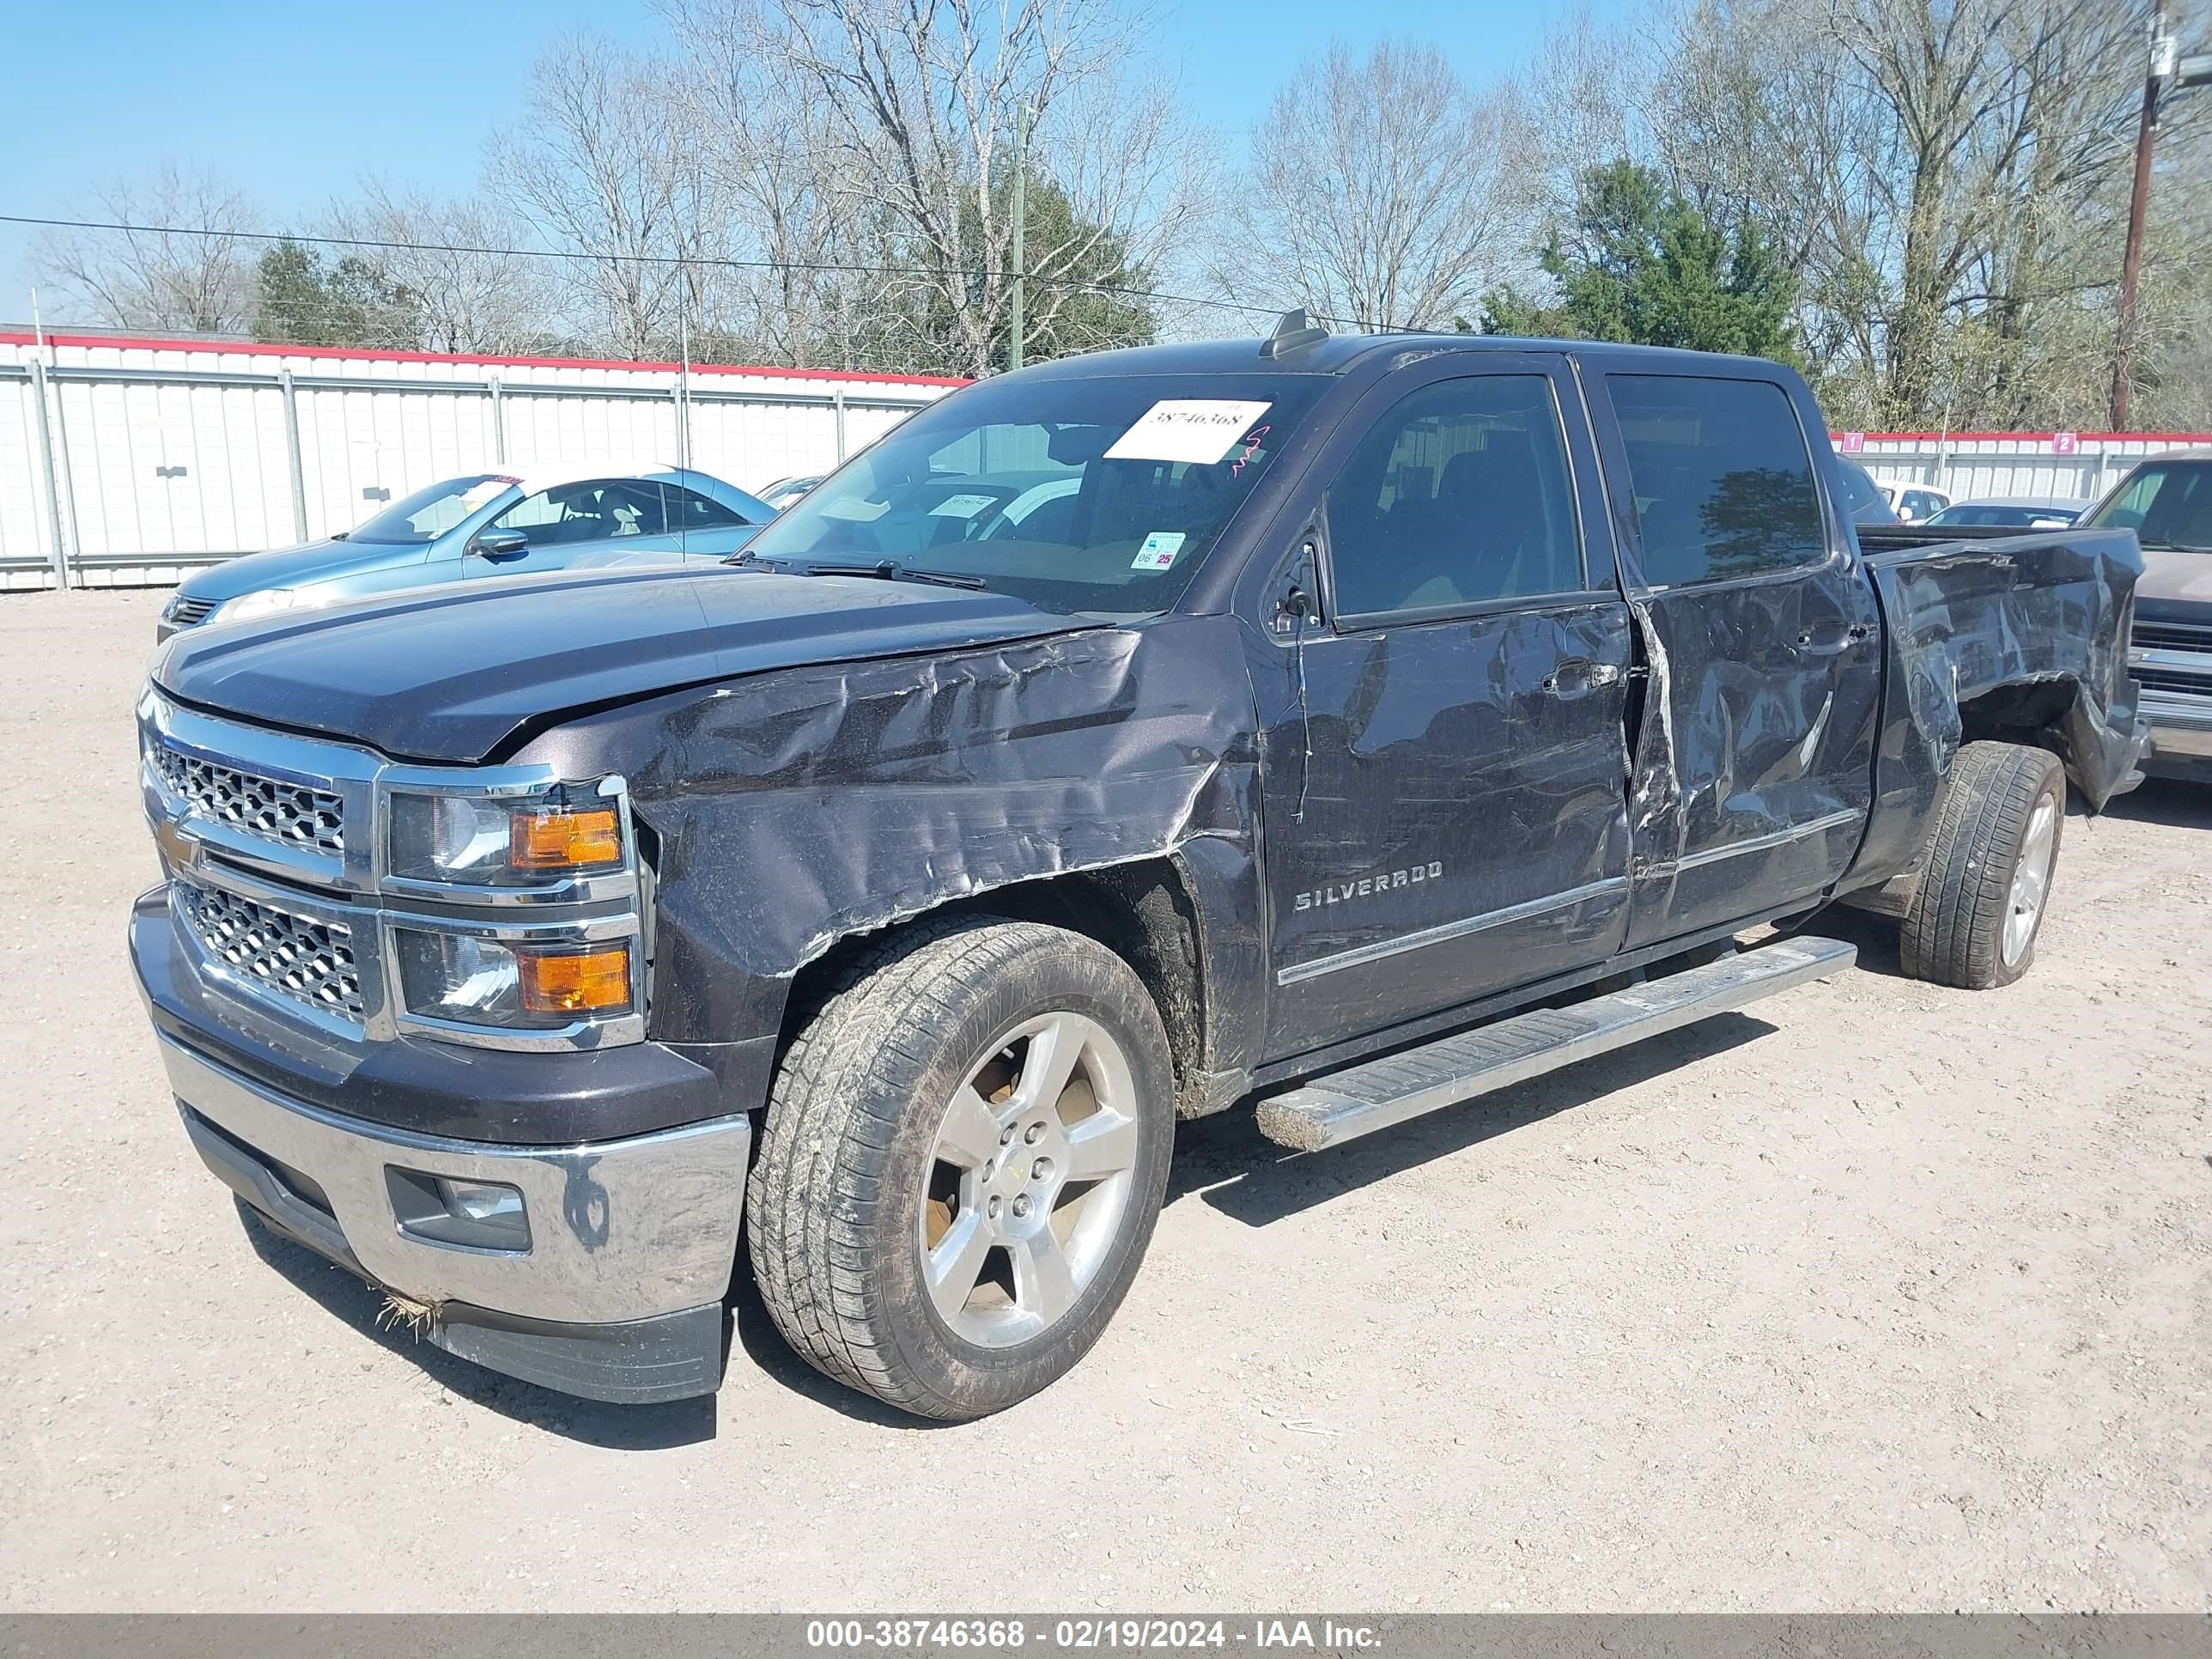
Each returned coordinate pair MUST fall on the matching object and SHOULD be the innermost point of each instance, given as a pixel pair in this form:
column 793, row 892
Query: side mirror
column 499, row 546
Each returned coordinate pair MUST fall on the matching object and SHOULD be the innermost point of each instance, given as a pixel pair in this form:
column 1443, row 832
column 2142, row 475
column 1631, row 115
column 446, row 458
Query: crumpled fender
column 790, row 810
column 1964, row 621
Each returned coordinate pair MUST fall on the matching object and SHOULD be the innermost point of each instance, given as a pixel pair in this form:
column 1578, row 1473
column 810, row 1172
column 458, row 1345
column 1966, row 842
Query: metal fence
column 131, row 462
column 1983, row 465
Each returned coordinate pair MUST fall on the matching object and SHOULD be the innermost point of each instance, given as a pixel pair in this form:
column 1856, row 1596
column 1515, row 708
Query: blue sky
column 295, row 102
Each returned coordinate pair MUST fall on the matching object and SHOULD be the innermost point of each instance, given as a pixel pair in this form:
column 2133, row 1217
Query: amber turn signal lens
column 577, row 981
column 563, row 839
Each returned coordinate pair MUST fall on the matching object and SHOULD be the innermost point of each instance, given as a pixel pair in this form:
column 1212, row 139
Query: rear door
column 1754, row 757
column 1444, row 756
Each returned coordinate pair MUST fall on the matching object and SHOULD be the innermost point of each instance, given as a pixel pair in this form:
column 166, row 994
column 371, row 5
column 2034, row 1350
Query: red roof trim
column 271, row 349
column 2035, row 437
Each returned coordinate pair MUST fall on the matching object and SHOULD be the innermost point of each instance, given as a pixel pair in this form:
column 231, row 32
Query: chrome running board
column 1340, row 1106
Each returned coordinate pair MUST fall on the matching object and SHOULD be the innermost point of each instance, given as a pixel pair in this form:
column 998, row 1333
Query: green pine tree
column 1640, row 263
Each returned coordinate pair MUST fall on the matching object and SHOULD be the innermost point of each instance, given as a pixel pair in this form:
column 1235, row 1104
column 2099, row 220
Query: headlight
column 482, row 982
column 516, row 841
column 268, row 601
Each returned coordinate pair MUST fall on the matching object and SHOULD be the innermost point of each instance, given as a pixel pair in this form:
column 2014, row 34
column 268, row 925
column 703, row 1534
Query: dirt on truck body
column 1343, row 727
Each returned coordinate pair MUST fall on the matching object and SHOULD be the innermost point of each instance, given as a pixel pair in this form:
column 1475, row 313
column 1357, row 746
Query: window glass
column 1863, row 497
column 2166, row 503
column 688, row 510
column 421, row 518
column 1723, row 480
column 598, row 510
column 1098, row 494
column 1458, row 495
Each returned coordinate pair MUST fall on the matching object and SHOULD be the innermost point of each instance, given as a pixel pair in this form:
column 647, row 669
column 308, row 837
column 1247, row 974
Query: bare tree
column 767, row 149
column 1377, row 193
column 607, row 165
column 188, row 267
column 906, row 112
column 1947, row 177
column 457, row 291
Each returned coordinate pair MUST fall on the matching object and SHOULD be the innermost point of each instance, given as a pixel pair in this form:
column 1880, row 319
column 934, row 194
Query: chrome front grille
column 190, row 613
column 289, row 814
column 310, row 962
column 2173, row 636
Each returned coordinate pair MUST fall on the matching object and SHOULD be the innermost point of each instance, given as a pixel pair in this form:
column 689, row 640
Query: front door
column 1444, row 757
column 1754, row 761
column 590, row 516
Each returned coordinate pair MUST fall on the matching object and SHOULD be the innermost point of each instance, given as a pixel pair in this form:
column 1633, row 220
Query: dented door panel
column 1443, row 817
column 1753, row 763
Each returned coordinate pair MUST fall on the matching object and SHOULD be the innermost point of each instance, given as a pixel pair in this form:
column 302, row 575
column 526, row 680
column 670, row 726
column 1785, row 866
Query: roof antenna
column 1292, row 332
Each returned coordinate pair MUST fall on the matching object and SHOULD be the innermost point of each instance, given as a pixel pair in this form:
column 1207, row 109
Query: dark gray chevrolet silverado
column 1340, row 727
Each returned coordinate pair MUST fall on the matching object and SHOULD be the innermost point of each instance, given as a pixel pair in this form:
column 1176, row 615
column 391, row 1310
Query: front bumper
column 2180, row 735
column 632, row 1237
column 619, row 1295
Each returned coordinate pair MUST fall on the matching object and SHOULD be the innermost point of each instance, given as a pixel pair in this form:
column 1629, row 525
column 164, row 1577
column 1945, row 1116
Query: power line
column 681, row 261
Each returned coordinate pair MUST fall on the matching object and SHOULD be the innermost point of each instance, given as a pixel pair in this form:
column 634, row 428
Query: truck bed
column 1992, row 631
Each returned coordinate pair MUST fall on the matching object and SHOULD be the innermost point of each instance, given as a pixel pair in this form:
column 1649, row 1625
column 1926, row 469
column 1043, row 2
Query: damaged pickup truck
column 1340, row 727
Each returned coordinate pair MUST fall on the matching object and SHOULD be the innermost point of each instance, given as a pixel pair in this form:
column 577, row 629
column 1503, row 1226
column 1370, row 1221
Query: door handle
column 1811, row 647
column 1579, row 674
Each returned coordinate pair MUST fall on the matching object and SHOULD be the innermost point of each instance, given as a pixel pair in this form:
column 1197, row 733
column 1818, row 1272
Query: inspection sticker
column 1159, row 551
column 961, row 507
column 1197, row 429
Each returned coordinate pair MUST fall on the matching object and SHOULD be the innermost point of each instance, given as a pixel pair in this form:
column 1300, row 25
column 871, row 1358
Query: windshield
column 421, row 518
column 2166, row 503
column 1091, row 495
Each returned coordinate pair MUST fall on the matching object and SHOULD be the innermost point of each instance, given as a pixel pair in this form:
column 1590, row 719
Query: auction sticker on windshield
column 1158, row 550
column 1202, row 430
column 961, row 507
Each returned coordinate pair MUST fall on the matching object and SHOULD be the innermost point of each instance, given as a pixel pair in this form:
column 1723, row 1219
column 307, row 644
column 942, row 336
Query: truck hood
column 449, row 673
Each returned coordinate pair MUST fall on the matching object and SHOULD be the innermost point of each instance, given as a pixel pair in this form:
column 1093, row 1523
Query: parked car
column 2021, row 511
column 2166, row 500
column 484, row 524
column 1375, row 712
column 1913, row 503
column 784, row 491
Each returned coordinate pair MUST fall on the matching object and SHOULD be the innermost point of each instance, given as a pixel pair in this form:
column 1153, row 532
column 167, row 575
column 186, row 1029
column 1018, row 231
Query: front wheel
column 965, row 1151
column 1986, row 881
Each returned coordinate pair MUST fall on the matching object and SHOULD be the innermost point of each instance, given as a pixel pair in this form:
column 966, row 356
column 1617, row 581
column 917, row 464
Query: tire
column 875, row 1170
column 1994, row 851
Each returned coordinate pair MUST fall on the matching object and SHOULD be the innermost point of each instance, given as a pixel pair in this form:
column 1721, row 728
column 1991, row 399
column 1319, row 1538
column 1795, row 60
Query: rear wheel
column 1986, row 882
column 965, row 1151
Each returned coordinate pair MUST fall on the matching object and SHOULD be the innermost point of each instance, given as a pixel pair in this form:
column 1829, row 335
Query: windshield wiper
column 885, row 570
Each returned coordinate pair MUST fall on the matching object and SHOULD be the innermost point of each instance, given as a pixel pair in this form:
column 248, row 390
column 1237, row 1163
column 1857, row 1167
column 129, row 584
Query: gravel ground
column 1882, row 1297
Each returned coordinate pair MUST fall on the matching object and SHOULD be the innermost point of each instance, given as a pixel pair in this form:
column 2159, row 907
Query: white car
column 1912, row 501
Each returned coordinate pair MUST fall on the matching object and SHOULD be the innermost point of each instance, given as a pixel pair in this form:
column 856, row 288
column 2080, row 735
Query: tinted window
column 1077, row 493
column 688, row 510
column 598, row 510
column 1458, row 495
column 421, row 518
column 1723, row 480
column 2166, row 503
column 1920, row 502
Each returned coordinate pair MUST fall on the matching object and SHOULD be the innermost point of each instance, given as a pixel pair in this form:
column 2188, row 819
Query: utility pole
column 2124, row 360
column 1021, row 225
